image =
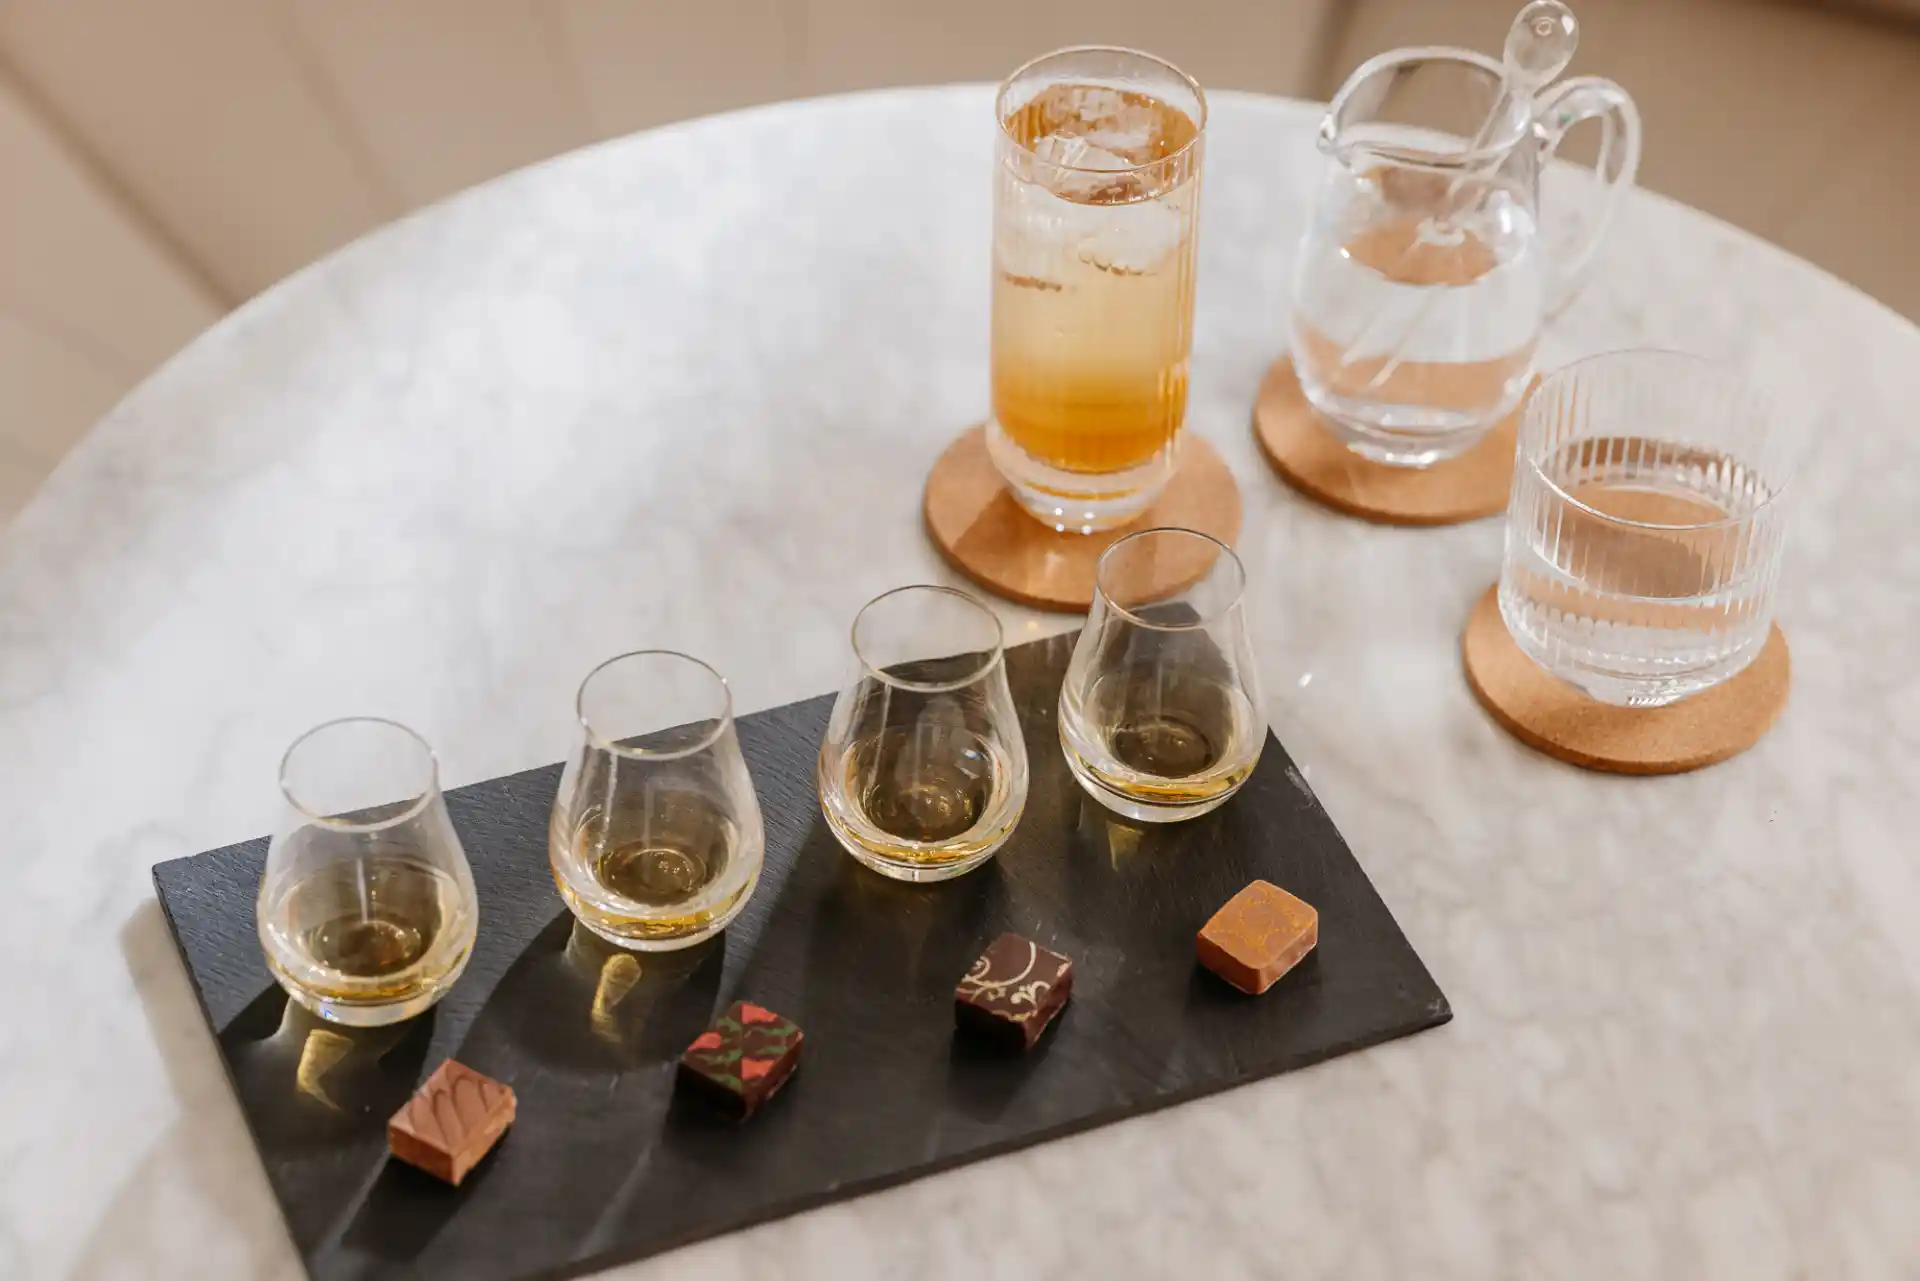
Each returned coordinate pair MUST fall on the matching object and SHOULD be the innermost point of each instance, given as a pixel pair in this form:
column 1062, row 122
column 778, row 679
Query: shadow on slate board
column 607, row 1164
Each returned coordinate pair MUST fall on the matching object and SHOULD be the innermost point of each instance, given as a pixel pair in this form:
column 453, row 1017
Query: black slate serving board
column 606, row 1163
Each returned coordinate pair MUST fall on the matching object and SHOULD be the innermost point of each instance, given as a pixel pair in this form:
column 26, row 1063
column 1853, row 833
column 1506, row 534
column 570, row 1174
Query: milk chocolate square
column 452, row 1120
column 1260, row 934
column 743, row 1059
column 1013, row 992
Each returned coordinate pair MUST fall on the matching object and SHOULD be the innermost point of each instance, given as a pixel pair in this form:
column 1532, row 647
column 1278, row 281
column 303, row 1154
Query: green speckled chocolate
column 744, row 1058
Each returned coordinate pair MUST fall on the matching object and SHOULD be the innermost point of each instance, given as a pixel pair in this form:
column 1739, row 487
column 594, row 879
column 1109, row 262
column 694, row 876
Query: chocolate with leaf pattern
column 743, row 1059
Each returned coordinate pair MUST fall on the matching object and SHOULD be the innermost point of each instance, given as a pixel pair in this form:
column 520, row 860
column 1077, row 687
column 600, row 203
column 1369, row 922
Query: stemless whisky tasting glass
column 1645, row 527
column 367, row 911
column 1096, row 196
column 656, row 840
column 1161, row 717
column 923, row 773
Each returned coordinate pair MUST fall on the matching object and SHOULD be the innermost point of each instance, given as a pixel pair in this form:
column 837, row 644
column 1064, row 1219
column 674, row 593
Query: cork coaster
column 985, row 533
column 1551, row 716
column 1313, row 460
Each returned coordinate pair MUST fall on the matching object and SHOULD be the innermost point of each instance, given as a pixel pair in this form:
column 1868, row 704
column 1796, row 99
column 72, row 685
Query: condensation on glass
column 1095, row 208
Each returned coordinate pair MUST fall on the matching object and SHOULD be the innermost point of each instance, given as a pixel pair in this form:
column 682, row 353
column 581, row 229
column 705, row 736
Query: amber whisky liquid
column 919, row 802
column 1165, row 750
column 665, row 873
column 370, row 941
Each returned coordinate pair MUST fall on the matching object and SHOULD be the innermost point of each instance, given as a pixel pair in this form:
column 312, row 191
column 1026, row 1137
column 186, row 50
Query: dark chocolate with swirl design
column 1013, row 992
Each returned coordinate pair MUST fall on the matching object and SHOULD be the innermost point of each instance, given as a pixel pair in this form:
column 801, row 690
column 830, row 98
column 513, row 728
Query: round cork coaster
column 1313, row 460
column 984, row 532
column 1551, row 716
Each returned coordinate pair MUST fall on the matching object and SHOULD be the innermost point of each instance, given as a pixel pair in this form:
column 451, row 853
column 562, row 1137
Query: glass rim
column 721, row 723
column 335, row 824
column 1468, row 157
column 1774, row 491
column 1199, row 94
column 1100, row 574
column 993, row 658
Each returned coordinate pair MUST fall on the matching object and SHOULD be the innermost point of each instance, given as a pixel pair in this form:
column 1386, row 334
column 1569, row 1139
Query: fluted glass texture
column 1645, row 526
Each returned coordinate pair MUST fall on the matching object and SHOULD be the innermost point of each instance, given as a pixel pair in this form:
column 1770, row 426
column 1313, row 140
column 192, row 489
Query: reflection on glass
column 367, row 912
column 656, row 840
column 1161, row 717
column 923, row 773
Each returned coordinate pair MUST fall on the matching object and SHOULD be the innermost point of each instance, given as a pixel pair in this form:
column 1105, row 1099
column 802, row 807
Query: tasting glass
column 367, row 911
column 1095, row 204
column 656, row 839
column 923, row 772
column 1646, row 524
column 1161, row 716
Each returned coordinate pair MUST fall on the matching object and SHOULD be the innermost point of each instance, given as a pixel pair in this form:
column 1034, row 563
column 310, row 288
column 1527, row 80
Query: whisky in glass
column 923, row 773
column 656, row 838
column 1161, row 717
column 367, row 912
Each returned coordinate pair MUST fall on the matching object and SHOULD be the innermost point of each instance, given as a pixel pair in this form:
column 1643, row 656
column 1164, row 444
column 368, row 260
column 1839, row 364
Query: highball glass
column 1095, row 210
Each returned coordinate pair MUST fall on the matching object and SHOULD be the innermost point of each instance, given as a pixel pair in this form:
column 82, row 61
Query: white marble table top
column 681, row 390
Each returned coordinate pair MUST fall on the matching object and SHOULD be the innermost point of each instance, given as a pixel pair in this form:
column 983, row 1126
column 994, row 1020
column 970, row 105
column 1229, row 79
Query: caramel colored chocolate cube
column 452, row 1120
column 1260, row 934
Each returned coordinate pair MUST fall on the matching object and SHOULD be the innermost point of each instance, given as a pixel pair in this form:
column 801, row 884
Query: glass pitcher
column 1425, row 277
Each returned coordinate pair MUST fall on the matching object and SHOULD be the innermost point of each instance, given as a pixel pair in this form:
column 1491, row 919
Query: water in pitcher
column 1414, row 329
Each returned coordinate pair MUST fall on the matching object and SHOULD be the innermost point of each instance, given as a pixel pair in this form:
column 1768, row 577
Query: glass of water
column 1645, row 527
column 1161, row 717
column 656, row 839
column 923, row 773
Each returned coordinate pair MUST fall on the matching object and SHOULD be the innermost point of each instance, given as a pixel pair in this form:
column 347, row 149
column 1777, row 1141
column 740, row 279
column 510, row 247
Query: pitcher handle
column 1558, row 110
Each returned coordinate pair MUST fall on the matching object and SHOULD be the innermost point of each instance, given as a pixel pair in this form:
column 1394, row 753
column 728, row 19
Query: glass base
column 361, row 1014
column 1412, row 447
column 672, row 942
column 909, row 870
column 1621, row 689
column 1077, row 502
column 1626, row 667
column 1143, row 811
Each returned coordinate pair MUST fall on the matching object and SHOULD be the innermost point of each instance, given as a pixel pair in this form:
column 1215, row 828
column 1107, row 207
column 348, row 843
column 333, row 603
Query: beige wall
column 90, row 298
column 261, row 133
